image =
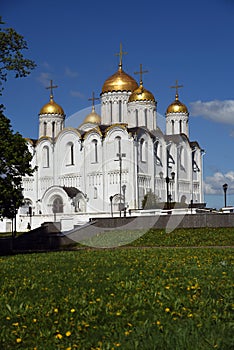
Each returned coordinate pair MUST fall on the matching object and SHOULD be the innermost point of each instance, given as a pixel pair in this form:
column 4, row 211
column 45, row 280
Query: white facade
column 111, row 160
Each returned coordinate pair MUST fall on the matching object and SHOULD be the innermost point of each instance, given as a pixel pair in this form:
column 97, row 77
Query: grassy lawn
column 162, row 299
column 159, row 237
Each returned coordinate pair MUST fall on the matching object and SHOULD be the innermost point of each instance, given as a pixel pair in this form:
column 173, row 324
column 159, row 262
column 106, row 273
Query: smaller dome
column 51, row 108
column 177, row 107
column 93, row 117
column 141, row 94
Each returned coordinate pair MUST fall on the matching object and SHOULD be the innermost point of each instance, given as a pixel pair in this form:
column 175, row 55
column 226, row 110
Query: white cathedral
column 111, row 161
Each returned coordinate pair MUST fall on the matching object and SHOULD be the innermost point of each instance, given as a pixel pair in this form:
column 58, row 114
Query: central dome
column 120, row 81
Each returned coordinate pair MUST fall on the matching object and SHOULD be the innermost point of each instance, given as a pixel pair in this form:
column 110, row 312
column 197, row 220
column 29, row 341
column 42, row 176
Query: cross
column 93, row 99
column 141, row 72
column 177, row 87
column 51, row 87
column 120, row 54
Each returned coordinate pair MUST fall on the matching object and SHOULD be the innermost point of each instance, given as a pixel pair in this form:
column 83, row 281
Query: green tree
column 150, row 201
column 15, row 157
column 11, row 58
column 15, row 160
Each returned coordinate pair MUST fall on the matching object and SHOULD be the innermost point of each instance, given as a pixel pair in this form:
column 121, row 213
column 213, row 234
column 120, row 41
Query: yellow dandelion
column 18, row 340
column 126, row 333
column 158, row 323
column 34, row 320
column 59, row 336
column 118, row 313
column 98, row 299
column 68, row 333
column 167, row 309
column 73, row 310
column 8, row 318
column 55, row 310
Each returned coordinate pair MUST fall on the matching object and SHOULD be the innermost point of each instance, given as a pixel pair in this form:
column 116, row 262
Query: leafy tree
column 15, row 161
column 150, row 201
column 11, row 57
column 15, row 157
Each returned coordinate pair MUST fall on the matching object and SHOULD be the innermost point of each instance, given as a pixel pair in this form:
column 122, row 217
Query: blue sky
column 74, row 44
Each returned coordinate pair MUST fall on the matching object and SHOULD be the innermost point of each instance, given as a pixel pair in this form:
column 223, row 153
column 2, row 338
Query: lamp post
column 111, row 199
column 120, row 157
column 169, row 196
column 225, row 186
column 124, row 205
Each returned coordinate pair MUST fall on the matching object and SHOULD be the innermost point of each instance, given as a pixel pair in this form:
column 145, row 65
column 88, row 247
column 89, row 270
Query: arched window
column 111, row 114
column 24, row 209
column 172, row 127
column 143, row 147
column 45, row 157
column 118, row 144
column 158, row 153
column 180, row 123
column 94, row 152
column 57, row 205
column 70, row 153
column 53, row 129
column 146, row 118
column 120, row 111
column 44, row 128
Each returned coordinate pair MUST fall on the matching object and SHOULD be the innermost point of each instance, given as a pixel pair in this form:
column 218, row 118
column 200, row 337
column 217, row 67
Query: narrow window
column 111, row 114
column 120, row 111
column 172, row 127
column 45, row 155
column 143, row 150
column 180, row 126
column 146, row 118
column 118, row 144
column 70, row 153
column 53, row 129
column 94, row 152
column 137, row 122
column 45, row 128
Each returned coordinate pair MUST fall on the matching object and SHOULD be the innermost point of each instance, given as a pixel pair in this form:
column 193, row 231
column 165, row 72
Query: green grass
column 164, row 299
column 161, row 238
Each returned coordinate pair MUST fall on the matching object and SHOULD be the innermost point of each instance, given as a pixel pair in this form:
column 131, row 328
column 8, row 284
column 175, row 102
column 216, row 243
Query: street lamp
column 225, row 186
column 120, row 157
column 124, row 190
column 111, row 199
column 169, row 196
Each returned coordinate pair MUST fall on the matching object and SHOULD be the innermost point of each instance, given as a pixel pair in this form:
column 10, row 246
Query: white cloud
column 76, row 94
column 218, row 111
column 214, row 184
column 44, row 78
column 69, row 73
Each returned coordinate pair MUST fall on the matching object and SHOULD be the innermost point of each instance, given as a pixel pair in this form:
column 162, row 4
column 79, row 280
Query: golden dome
column 120, row 81
column 177, row 106
column 93, row 117
column 141, row 94
column 51, row 108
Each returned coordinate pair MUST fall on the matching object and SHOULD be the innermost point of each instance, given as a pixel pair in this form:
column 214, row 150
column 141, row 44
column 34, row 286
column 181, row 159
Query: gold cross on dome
column 120, row 54
column 141, row 72
column 93, row 98
column 51, row 87
column 177, row 87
